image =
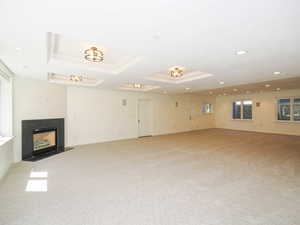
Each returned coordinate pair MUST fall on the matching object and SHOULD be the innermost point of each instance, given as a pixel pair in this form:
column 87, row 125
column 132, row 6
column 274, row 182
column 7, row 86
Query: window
column 284, row 109
column 296, row 108
column 207, row 108
column 247, row 110
column 236, row 110
column 5, row 101
column 288, row 109
column 242, row 110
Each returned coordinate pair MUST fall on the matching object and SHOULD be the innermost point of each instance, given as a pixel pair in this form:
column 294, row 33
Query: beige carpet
column 210, row 177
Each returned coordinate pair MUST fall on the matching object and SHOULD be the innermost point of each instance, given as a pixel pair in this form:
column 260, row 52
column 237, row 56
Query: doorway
column 145, row 115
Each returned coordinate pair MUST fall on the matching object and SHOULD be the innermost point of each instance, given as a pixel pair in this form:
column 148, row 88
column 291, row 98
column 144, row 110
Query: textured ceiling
column 198, row 35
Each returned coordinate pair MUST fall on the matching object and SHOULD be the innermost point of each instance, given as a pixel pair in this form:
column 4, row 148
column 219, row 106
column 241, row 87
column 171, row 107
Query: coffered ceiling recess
column 64, row 50
column 186, row 76
column 219, row 43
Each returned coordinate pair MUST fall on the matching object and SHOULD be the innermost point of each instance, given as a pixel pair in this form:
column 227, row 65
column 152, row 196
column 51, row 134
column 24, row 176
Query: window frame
column 242, row 110
column 291, row 109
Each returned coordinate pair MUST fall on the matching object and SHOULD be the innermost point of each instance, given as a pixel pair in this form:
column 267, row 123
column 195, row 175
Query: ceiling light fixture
column 222, row 82
column 267, row 85
column 277, row 73
column 187, row 88
column 75, row 78
column 241, row 52
column 138, row 86
column 93, row 55
column 176, row 72
column 18, row 49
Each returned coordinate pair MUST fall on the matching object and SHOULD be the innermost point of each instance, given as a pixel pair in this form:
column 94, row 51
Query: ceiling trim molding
column 130, row 87
column 64, row 79
column 166, row 78
column 5, row 72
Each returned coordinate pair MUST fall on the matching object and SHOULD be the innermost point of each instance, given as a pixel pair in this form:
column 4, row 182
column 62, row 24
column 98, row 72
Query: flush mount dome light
column 75, row 78
column 176, row 72
column 93, row 55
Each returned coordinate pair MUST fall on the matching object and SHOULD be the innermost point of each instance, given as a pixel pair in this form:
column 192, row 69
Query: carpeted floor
column 209, row 177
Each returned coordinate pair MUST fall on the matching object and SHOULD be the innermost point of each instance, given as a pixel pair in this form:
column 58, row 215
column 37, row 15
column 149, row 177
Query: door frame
column 138, row 115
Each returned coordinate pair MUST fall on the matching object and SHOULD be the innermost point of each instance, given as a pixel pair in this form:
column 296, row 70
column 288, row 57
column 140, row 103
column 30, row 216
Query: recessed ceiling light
column 221, row 82
column 235, row 89
column 267, row 85
column 187, row 88
column 277, row 73
column 18, row 49
column 277, row 89
column 241, row 52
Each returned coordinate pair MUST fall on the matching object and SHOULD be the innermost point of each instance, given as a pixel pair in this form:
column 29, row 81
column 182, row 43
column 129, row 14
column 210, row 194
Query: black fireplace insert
column 42, row 138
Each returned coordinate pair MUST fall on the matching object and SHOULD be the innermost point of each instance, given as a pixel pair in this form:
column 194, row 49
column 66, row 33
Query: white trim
column 5, row 72
column 250, row 120
column 6, row 104
column 4, row 140
column 287, row 121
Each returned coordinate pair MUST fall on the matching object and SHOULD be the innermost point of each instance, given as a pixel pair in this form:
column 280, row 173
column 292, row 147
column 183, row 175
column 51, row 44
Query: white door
column 144, row 117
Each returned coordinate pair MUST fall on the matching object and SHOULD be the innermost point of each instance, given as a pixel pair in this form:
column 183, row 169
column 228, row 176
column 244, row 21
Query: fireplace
column 42, row 138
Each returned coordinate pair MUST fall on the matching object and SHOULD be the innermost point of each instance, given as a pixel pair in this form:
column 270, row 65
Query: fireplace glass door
column 45, row 139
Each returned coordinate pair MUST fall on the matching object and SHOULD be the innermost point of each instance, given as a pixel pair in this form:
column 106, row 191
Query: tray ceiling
column 142, row 38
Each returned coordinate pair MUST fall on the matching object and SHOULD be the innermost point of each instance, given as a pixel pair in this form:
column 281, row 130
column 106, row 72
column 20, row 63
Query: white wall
column 35, row 99
column 94, row 115
column 97, row 115
column 264, row 117
column 6, row 157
